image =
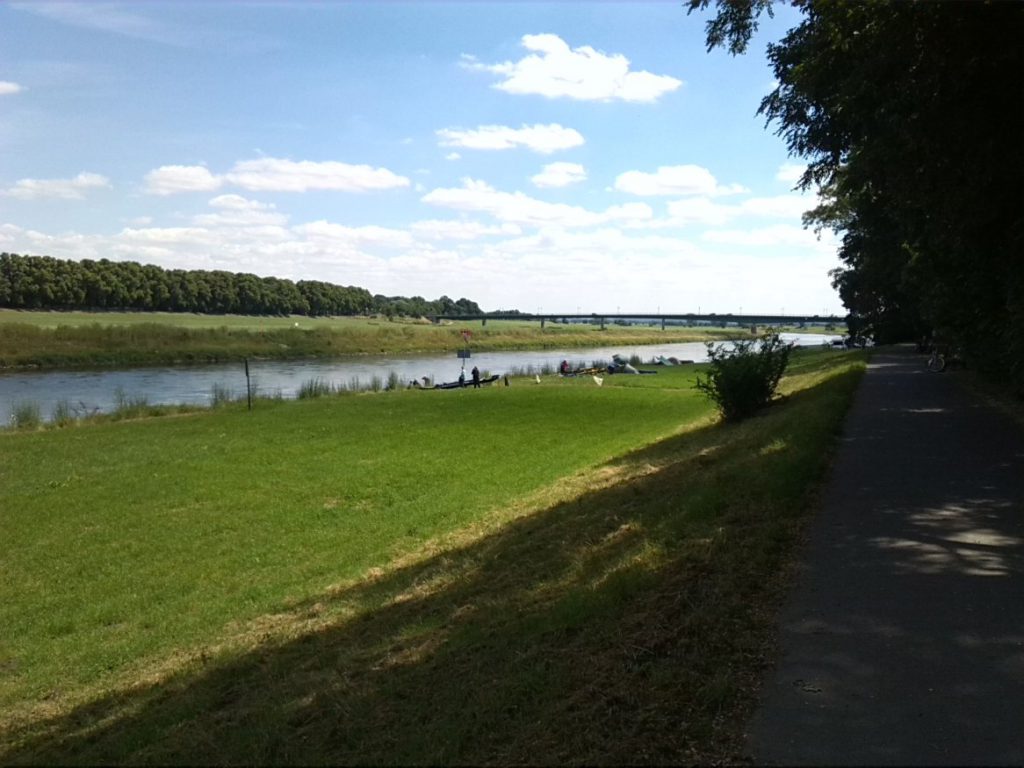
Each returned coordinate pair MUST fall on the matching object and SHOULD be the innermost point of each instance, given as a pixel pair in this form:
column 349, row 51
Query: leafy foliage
column 743, row 378
column 43, row 282
column 906, row 113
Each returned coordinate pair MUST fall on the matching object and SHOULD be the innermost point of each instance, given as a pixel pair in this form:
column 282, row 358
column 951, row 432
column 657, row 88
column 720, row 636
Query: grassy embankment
column 533, row 574
column 64, row 339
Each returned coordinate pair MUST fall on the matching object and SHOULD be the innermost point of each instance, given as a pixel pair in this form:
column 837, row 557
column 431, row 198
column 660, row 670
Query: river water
column 91, row 391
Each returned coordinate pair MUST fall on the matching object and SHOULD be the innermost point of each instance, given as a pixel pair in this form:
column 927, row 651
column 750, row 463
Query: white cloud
column 674, row 180
column 539, row 138
column 700, row 210
column 328, row 232
column 436, row 229
column 7, row 88
column 238, row 203
column 559, row 175
column 780, row 206
column 269, row 174
column 172, row 179
column 790, row 172
column 704, row 211
column 517, row 208
column 453, row 156
column 553, row 69
column 274, row 174
column 235, row 210
column 784, row 235
column 61, row 189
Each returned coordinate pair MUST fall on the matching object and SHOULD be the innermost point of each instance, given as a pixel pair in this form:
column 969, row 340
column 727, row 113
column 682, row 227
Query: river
column 91, row 391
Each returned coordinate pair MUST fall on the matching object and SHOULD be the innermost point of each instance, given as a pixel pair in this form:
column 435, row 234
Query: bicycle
column 937, row 362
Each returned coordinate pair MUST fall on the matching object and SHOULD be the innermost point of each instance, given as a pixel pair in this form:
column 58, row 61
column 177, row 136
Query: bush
column 743, row 378
column 25, row 414
column 63, row 414
column 315, row 388
column 221, row 394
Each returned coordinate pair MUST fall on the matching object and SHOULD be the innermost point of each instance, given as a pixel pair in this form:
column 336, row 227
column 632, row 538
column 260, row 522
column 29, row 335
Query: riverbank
column 82, row 339
column 407, row 577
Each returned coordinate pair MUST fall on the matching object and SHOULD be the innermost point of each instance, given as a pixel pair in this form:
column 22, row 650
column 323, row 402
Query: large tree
column 909, row 115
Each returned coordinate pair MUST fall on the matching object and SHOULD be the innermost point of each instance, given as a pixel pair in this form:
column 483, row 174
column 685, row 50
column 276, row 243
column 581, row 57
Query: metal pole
column 248, row 387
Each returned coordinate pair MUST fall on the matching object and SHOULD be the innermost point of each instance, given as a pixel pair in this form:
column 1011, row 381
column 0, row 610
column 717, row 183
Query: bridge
column 692, row 317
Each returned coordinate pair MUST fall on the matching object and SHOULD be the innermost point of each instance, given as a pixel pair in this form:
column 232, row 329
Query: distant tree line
column 43, row 282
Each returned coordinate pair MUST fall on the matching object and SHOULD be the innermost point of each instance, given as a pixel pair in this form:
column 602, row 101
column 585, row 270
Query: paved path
column 903, row 641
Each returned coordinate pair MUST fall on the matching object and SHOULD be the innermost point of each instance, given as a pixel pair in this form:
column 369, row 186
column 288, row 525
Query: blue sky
column 530, row 155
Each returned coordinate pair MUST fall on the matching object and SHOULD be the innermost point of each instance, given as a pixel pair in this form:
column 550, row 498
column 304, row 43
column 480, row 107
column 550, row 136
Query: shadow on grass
column 629, row 624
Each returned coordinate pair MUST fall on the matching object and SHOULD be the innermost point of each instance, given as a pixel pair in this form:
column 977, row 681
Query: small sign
column 462, row 354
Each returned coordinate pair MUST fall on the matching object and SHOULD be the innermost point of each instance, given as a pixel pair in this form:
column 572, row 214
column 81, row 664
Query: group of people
column 475, row 373
column 475, row 380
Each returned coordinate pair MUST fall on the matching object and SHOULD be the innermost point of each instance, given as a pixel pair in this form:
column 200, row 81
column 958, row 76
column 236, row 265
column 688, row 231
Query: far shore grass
column 47, row 339
column 537, row 574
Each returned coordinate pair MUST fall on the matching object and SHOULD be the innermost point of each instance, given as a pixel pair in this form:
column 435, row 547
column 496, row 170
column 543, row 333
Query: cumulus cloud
column 173, row 179
column 555, row 70
column 777, row 235
column 707, row 212
column 61, row 189
column 235, row 210
column 274, row 174
column 269, row 174
column 325, row 231
column 790, row 172
column 517, row 208
column 559, row 175
column 7, row 88
column 539, row 138
column 701, row 211
column 674, row 180
column 437, row 229
column 780, row 206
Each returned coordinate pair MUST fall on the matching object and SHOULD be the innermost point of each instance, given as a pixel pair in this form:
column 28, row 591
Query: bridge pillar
column 663, row 323
column 602, row 323
column 542, row 323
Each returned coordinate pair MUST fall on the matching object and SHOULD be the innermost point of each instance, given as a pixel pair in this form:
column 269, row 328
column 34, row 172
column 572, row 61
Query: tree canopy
column 43, row 282
column 909, row 115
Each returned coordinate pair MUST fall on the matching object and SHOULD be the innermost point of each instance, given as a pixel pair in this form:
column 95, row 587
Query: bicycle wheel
column 936, row 364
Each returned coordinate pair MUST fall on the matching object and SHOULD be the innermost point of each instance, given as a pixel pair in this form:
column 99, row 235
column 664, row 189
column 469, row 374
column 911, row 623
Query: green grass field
column 540, row 573
column 64, row 339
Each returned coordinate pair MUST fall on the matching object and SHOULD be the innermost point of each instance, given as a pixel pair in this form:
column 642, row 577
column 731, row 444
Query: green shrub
column 221, row 394
column 742, row 379
column 316, row 388
column 130, row 406
column 63, row 414
column 25, row 414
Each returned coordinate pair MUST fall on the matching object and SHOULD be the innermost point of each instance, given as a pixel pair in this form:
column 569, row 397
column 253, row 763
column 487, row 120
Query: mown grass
column 62, row 339
column 533, row 574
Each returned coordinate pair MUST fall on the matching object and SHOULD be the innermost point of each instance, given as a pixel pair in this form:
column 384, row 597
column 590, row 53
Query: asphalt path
column 902, row 642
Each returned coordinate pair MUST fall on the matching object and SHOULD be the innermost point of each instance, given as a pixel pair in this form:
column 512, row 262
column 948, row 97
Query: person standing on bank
column 476, row 377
